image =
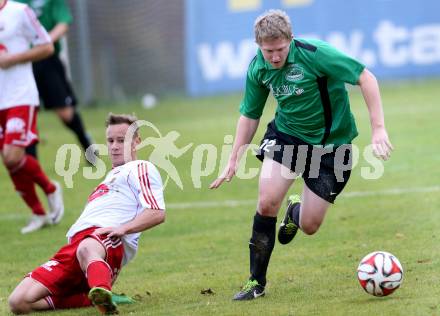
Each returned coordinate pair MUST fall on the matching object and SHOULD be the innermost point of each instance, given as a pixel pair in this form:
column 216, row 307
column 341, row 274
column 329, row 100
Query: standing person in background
column 19, row 29
column 54, row 88
column 307, row 78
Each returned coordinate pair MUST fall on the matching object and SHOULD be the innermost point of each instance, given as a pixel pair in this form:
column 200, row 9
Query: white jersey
column 126, row 191
column 19, row 29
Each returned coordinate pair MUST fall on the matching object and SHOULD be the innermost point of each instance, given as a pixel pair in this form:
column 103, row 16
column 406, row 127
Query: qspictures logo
column 208, row 160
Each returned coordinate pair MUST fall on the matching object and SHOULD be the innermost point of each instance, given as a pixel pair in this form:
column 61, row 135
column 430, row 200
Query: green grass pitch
column 204, row 242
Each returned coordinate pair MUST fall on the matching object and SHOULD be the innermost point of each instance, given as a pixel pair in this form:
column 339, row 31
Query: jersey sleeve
column 333, row 63
column 148, row 183
column 34, row 32
column 255, row 94
column 61, row 12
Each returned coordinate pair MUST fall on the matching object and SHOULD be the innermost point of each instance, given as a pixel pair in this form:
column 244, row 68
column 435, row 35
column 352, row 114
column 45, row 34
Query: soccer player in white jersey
column 105, row 236
column 22, row 41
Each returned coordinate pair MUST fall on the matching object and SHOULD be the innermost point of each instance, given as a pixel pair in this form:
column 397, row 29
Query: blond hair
column 272, row 24
column 115, row 119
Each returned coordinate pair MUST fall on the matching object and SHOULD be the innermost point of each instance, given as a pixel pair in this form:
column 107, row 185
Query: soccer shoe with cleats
column 120, row 299
column 56, row 204
column 102, row 300
column 288, row 228
column 251, row 290
column 35, row 223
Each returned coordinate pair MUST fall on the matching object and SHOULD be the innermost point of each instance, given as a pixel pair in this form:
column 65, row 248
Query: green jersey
column 50, row 13
column 313, row 103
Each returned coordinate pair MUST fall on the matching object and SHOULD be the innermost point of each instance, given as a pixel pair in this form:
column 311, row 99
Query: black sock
column 295, row 213
column 261, row 246
column 77, row 127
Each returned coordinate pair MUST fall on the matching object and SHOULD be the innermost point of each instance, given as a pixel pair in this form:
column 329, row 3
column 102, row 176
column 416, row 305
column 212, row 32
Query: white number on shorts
column 268, row 144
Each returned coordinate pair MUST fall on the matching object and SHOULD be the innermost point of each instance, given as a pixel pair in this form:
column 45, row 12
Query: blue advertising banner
column 394, row 38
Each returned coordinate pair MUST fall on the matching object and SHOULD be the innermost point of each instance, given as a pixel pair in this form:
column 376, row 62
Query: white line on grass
column 232, row 203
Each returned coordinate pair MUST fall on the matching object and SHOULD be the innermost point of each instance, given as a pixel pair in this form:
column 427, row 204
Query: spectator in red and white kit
column 22, row 41
column 106, row 235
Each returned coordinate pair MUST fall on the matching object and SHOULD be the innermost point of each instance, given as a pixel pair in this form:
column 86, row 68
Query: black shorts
column 325, row 170
column 54, row 88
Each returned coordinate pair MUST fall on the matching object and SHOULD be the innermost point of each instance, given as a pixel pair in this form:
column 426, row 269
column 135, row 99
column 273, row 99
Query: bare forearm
column 382, row 146
column 34, row 54
column 145, row 220
column 246, row 129
column 58, row 31
column 371, row 93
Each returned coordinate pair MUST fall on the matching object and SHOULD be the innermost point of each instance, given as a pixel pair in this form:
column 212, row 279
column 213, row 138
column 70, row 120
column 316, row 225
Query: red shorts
column 62, row 275
column 18, row 126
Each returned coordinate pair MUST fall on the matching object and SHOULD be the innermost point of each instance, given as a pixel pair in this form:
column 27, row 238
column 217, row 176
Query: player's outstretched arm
column 246, row 128
column 382, row 146
column 145, row 220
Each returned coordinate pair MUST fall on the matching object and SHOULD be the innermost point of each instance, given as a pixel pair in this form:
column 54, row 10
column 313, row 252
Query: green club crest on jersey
column 294, row 73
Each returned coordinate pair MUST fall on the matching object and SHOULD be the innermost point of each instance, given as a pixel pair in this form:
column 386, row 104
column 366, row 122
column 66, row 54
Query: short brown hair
column 115, row 119
column 272, row 24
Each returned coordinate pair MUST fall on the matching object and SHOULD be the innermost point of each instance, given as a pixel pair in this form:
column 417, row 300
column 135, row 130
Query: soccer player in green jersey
column 53, row 86
column 310, row 135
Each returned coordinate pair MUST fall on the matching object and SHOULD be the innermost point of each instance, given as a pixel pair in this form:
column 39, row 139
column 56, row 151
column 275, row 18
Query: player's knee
column 11, row 160
column 65, row 113
column 267, row 206
column 310, row 227
column 17, row 304
column 82, row 253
